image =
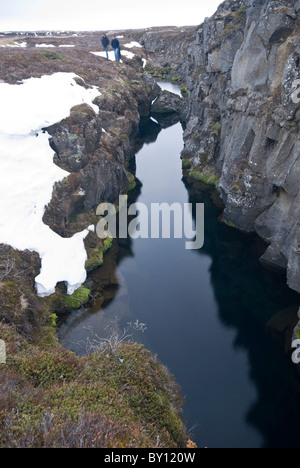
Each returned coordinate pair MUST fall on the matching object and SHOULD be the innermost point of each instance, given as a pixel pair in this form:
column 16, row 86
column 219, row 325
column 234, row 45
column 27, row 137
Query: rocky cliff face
column 242, row 126
column 96, row 149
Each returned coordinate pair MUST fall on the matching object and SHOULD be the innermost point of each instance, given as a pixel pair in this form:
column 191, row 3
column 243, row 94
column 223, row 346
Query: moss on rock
column 207, row 176
column 131, row 182
column 95, row 259
column 184, row 91
column 77, row 299
column 50, row 55
column 186, row 164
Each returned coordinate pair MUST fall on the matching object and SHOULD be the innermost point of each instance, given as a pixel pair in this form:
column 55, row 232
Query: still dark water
column 206, row 313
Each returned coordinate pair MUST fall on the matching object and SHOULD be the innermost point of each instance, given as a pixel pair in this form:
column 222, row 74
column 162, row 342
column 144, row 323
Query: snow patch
column 168, row 86
column 133, row 44
column 127, row 54
column 27, row 175
column 153, row 120
column 15, row 44
column 111, row 54
column 40, row 102
column 44, row 46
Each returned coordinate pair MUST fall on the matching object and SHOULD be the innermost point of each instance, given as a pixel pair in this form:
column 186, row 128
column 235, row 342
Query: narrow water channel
column 206, row 313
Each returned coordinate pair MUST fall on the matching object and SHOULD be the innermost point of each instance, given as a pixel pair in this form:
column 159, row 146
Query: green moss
column 229, row 223
column 73, row 138
column 132, row 182
column 131, row 187
column 184, row 91
column 95, row 259
column 207, row 177
column 96, row 254
column 186, row 164
column 49, row 54
column 44, row 368
column 215, row 129
column 235, row 188
column 52, row 320
column 298, row 334
column 46, row 339
column 107, row 244
column 176, row 78
column 79, row 298
column 159, row 72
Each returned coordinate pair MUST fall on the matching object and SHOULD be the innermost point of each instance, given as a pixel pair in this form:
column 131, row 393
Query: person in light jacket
column 105, row 44
column 116, row 46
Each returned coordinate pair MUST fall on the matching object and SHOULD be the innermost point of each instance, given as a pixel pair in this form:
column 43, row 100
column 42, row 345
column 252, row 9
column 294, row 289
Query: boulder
column 166, row 103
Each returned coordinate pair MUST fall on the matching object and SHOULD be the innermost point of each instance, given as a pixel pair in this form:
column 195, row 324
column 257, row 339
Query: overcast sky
column 101, row 15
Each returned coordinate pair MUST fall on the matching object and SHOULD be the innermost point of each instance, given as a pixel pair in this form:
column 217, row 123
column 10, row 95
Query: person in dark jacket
column 105, row 44
column 116, row 46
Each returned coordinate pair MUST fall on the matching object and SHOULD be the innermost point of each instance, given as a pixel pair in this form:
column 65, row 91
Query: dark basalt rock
column 167, row 103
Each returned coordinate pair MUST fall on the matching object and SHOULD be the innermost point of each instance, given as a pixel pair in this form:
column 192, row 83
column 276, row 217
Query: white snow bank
column 168, row 86
column 111, row 54
column 44, row 46
column 15, row 44
column 127, row 54
column 40, row 102
column 133, row 44
column 27, row 175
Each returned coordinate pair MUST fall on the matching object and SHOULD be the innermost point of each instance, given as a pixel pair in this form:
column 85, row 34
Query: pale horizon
column 72, row 15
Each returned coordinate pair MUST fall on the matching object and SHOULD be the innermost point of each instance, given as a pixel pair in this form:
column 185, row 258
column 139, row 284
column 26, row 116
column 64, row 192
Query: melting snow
column 132, row 44
column 27, row 175
column 111, row 54
column 44, row 45
column 172, row 88
column 15, row 44
column 127, row 54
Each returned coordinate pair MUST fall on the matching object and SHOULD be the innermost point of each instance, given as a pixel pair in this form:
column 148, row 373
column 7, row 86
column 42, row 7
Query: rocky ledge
column 96, row 148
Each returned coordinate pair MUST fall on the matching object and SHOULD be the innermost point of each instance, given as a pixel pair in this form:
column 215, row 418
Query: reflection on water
column 205, row 311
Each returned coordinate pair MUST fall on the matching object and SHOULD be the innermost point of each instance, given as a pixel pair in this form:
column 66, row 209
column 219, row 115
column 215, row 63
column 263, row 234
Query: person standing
column 116, row 46
column 105, row 44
